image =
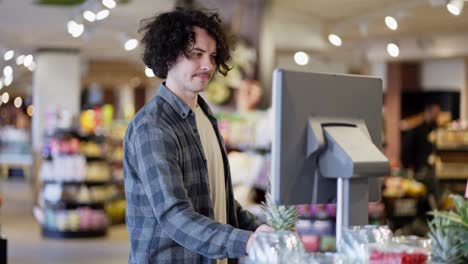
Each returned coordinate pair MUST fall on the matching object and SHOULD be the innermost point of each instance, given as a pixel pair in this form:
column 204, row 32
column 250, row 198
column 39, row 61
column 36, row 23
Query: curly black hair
column 170, row 34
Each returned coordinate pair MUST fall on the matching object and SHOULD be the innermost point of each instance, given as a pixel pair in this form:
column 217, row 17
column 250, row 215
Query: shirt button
column 195, row 130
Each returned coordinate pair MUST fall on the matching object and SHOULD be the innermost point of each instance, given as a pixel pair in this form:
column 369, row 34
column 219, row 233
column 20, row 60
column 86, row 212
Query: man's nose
column 207, row 63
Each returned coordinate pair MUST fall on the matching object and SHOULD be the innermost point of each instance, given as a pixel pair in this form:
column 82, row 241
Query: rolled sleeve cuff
column 238, row 243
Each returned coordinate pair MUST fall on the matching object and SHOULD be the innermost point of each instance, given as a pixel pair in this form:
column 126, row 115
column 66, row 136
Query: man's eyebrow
column 202, row 50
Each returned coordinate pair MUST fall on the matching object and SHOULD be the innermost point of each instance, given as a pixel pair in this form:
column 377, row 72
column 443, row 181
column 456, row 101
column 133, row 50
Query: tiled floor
column 26, row 245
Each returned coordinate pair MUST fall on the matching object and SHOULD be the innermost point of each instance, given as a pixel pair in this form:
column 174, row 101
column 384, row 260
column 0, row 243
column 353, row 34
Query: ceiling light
column 19, row 60
column 149, row 72
column 90, row 16
column 393, row 50
column 455, row 7
column 1, row 84
column 18, row 102
column 102, row 14
column 75, row 29
column 109, row 3
column 335, row 40
column 131, row 44
column 9, row 55
column 7, row 71
column 32, row 67
column 5, row 97
column 301, row 58
column 391, row 23
column 28, row 60
column 30, row 110
column 8, row 80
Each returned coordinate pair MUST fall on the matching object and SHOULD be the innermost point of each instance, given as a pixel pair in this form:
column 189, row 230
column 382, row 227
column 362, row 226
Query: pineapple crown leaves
column 280, row 217
column 459, row 217
column 449, row 233
column 462, row 208
column 445, row 247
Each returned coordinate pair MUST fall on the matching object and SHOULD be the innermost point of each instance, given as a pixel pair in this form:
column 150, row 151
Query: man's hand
column 261, row 228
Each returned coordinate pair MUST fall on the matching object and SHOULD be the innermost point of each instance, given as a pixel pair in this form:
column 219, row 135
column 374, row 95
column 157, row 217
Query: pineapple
column 449, row 234
column 280, row 217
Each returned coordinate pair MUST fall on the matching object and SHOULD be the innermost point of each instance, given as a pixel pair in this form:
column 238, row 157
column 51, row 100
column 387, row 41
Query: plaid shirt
column 169, row 212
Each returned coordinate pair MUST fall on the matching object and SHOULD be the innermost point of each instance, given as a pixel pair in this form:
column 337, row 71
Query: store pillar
column 464, row 95
column 400, row 77
column 266, row 51
column 56, row 86
column 126, row 102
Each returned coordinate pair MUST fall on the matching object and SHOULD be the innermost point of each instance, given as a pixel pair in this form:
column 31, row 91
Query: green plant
column 280, row 217
column 448, row 232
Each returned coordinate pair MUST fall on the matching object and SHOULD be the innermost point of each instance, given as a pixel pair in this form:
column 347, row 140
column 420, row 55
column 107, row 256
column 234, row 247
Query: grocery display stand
column 115, row 207
column 451, row 163
column 3, row 239
column 75, row 185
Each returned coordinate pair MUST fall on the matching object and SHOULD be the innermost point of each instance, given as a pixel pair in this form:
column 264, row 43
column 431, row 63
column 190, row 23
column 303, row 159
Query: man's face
column 193, row 72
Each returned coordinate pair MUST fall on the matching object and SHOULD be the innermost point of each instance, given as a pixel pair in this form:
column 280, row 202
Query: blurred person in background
column 417, row 145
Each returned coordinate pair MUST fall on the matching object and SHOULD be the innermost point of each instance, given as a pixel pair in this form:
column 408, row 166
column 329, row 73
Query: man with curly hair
column 180, row 204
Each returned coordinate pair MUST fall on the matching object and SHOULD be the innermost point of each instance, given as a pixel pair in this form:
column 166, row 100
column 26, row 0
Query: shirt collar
column 204, row 106
column 179, row 105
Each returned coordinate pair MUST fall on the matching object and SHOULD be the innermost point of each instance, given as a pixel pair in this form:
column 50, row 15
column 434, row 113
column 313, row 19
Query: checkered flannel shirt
column 169, row 213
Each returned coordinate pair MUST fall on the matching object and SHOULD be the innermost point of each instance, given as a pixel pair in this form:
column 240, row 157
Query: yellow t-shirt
column 215, row 168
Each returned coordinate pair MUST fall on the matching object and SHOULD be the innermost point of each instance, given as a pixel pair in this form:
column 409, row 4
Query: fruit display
column 398, row 256
column 317, row 235
column 451, row 138
column 396, row 187
column 451, row 147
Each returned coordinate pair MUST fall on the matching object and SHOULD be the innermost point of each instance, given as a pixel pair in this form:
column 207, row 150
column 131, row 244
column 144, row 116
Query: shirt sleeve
column 246, row 219
column 161, row 176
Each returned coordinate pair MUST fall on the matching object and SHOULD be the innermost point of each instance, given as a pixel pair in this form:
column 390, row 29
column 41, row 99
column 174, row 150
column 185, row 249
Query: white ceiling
column 426, row 29
column 25, row 26
column 298, row 24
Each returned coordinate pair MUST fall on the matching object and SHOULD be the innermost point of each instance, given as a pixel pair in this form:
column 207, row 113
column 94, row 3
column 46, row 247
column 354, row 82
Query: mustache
column 204, row 74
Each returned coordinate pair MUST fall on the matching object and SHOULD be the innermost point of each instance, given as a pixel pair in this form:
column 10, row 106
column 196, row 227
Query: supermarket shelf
column 450, row 176
column 88, row 183
column 94, row 158
column 457, row 148
column 88, row 158
column 73, row 234
column 71, row 205
column 247, row 148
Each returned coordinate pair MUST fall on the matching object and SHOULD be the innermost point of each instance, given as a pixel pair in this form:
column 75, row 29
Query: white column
column 464, row 95
column 56, row 85
column 126, row 102
column 267, row 50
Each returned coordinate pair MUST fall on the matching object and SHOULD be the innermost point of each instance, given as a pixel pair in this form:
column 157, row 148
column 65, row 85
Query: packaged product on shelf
column 71, row 205
column 97, row 171
column 74, row 221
